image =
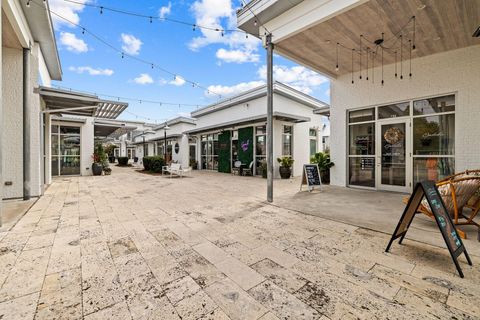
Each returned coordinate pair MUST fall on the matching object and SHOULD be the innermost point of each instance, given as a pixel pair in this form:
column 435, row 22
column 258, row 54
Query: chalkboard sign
column 429, row 190
column 311, row 176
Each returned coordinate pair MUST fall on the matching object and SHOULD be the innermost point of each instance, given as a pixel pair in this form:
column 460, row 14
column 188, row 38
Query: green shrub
column 153, row 163
column 122, row 161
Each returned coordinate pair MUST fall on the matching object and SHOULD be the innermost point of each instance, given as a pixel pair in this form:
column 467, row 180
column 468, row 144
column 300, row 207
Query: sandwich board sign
column 311, row 177
column 429, row 190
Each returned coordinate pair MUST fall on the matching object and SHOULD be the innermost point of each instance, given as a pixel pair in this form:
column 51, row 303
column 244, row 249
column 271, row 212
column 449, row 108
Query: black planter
column 325, row 176
column 285, row 172
column 135, row 159
column 97, row 169
column 111, row 159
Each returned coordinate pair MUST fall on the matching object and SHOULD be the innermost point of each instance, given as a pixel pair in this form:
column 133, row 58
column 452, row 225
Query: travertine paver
column 135, row 246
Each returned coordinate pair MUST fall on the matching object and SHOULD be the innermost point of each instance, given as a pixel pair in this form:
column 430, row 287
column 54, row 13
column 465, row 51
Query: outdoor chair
column 236, row 167
column 248, row 171
column 459, row 192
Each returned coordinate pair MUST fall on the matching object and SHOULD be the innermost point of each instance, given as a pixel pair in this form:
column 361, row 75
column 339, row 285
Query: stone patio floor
column 136, row 246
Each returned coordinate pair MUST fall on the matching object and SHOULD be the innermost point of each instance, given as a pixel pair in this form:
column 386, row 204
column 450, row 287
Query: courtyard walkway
column 136, row 246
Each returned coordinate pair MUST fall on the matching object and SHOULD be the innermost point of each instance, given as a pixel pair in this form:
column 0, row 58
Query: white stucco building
column 389, row 129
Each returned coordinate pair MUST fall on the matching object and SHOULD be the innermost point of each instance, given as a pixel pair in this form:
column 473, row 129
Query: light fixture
column 28, row 3
column 255, row 23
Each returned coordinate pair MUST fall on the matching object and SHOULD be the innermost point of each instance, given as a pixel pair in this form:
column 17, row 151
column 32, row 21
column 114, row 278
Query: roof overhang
column 250, row 120
column 60, row 101
column 324, row 111
column 174, row 121
column 308, row 32
column 40, row 25
column 104, row 129
column 244, row 97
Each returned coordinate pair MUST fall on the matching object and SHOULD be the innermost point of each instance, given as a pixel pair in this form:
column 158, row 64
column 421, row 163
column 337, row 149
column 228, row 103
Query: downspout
column 26, row 125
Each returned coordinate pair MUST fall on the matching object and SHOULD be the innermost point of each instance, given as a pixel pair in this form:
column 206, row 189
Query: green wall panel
column 245, row 145
column 224, row 151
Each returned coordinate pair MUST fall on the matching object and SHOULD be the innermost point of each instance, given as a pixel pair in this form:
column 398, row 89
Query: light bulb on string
column 255, row 23
column 83, row 30
column 28, row 4
column 336, row 52
column 101, row 10
column 194, row 27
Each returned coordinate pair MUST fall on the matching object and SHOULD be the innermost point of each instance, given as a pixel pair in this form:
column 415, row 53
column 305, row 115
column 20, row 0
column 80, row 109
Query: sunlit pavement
column 136, row 246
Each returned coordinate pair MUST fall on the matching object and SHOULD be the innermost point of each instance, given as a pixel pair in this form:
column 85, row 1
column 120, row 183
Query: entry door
column 393, row 155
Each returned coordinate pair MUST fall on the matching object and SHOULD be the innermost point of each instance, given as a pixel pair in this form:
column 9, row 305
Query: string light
column 410, row 58
column 353, row 50
column 396, row 74
column 360, row 77
column 123, row 54
column 368, row 50
column 336, row 48
column 401, row 57
column 381, row 48
column 414, row 27
column 150, row 17
column 28, row 4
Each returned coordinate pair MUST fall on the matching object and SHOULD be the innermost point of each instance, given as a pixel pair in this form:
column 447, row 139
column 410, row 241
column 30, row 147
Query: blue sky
column 225, row 65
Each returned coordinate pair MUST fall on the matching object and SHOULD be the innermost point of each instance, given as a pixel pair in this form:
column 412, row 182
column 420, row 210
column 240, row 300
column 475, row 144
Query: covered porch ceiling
column 440, row 25
column 105, row 130
column 65, row 102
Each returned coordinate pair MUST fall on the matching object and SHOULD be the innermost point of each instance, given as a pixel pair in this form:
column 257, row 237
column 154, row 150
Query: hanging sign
column 311, row 177
column 429, row 190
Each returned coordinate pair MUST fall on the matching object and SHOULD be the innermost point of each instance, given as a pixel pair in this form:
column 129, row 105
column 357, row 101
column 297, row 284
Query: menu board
column 429, row 190
column 311, row 176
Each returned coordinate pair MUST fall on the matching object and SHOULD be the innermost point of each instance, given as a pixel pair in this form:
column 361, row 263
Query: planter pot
column 285, row 172
column 325, row 176
column 135, row 159
column 264, row 174
column 111, row 159
column 97, row 169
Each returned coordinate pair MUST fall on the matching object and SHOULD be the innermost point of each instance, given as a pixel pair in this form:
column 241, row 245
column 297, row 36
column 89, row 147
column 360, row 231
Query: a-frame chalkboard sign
column 311, row 177
column 429, row 190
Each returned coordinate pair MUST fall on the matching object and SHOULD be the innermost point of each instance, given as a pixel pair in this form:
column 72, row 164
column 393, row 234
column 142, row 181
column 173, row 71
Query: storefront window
column 432, row 168
column 287, row 141
column 434, row 135
column 394, row 110
column 434, row 105
column 260, row 147
column 362, row 139
column 362, row 171
column 313, row 141
column 361, row 115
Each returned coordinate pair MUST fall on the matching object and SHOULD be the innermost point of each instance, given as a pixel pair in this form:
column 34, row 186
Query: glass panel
column 260, row 148
column 54, row 166
column 393, row 154
column 209, row 148
column 69, row 145
column 215, row 147
column 286, row 145
column 313, row 133
column 434, row 135
column 313, row 146
column 69, row 130
column 203, row 137
column 215, row 162
column 234, row 152
column 394, row 110
column 361, row 115
column 434, row 105
column 287, row 129
column 192, row 153
column 362, row 171
column 434, row 169
column 54, row 129
column 204, row 148
column 258, row 163
column 70, row 165
column 55, row 149
column 261, row 130
column 362, row 139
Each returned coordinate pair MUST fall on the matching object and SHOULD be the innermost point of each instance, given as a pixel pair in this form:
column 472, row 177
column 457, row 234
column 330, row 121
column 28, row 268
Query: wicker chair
column 458, row 193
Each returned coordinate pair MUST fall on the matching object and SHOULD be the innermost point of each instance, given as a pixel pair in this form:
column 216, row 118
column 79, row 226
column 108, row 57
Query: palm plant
column 322, row 159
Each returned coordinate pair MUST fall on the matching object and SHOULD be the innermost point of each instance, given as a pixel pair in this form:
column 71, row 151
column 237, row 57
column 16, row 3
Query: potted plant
column 107, row 171
column 99, row 158
column 263, row 169
column 109, row 150
column 193, row 163
column 285, row 167
column 322, row 159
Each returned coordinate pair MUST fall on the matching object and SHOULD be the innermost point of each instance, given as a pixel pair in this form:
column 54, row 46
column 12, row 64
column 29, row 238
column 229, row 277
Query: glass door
column 393, row 155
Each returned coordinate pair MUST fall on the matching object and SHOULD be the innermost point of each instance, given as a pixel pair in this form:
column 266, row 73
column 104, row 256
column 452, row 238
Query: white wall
column 87, row 136
column 455, row 71
column 12, row 126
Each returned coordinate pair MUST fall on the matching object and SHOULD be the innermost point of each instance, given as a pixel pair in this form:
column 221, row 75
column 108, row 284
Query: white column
column 48, row 149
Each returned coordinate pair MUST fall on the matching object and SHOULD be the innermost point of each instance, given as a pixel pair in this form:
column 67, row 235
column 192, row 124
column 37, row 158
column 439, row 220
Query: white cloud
column 143, row 78
column 298, row 77
column 232, row 90
column 130, row 44
column 220, row 14
column 327, row 92
column 179, row 81
column 72, row 43
column 68, row 10
column 165, row 11
column 92, row 71
column 237, row 56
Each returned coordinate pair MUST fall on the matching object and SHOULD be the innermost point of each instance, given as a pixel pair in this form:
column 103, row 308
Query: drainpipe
column 269, row 46
column 26, row 124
